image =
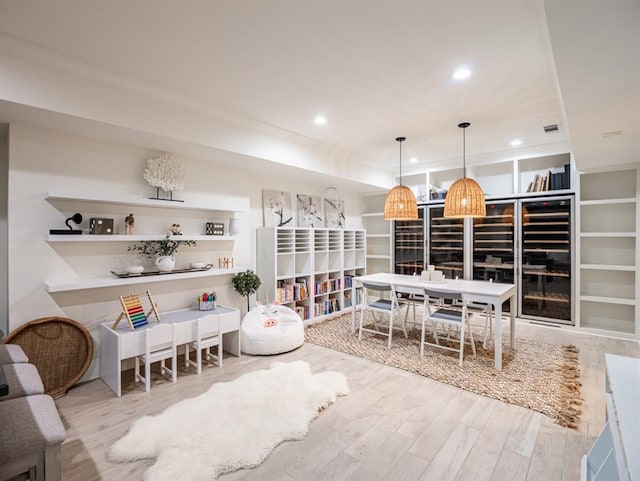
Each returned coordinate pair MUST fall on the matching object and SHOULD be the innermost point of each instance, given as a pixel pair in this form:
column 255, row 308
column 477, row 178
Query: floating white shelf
column 97, row 282
column 382, row 236
column 609, row 300
column 135, row 238
column 607, row 234
column 373, row 214
column 625, row 200
column 378, row 257
column 608, row 267
column 210, row 203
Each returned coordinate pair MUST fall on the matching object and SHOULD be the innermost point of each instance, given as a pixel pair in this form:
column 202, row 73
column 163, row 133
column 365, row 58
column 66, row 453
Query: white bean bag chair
column 271, row 329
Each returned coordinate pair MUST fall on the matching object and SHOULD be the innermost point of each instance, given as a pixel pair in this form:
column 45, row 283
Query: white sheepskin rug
column 231, row 426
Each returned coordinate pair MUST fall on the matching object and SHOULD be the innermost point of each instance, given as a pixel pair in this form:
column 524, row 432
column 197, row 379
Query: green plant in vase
column 246, row 283
column 163, row 251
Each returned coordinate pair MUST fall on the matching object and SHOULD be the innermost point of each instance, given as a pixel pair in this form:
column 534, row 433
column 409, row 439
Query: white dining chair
column 380, row 298
column 208, row 336
column 160, row 345
column 457, row 316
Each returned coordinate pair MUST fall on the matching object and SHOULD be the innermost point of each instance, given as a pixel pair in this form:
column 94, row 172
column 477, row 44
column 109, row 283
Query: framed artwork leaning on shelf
column 276, row 208
column 309, row 210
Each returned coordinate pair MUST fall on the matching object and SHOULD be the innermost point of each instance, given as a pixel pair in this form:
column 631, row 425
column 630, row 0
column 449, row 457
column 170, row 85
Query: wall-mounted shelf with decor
column 111, row 281
column 135, row 238
column 210, row 202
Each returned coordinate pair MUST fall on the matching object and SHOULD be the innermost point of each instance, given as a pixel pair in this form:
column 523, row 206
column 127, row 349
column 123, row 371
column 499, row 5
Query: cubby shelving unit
column 609, row 252
column 310, row 269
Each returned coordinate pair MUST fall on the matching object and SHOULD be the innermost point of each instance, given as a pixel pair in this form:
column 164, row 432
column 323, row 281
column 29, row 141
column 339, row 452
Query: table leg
column 512, row 325
column 353, row 307
column 497, row 332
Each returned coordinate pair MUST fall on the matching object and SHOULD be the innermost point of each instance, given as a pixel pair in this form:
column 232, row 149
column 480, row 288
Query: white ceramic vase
column 165, row 263
column 234, row 229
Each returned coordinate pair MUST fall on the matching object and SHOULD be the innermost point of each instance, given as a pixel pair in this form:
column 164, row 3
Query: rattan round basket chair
column 60, row 348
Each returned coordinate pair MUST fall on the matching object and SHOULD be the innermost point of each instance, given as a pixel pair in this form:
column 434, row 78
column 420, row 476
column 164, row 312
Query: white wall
column 41, row 161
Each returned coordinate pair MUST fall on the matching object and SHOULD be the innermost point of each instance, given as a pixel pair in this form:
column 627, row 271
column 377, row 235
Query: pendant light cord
column 464, row 153
column 400, row 140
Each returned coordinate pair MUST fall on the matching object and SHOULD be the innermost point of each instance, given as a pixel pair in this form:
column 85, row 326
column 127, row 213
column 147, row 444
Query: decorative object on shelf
column 400, row 203
column 309, row 210
column 76, row 218
column 163, row 249
column 234, row 229
column 225, row 262
column 165, row 263
column 134, row 313
column 124, row 275
column 246, row 283
column 135, row 270
column 100, row 226
column 129, row 221
column 197, row 265
column 207, row 301
column 166, row 174
column 333, row 209
column 465, row 197
column 214, row 228
column 174, row 230
column 276, row 206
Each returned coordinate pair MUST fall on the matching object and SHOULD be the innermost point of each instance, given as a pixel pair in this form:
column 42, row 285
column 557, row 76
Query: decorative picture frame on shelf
column 333, row 209
column 214, row 228
column 276, row 208
column 309, row 210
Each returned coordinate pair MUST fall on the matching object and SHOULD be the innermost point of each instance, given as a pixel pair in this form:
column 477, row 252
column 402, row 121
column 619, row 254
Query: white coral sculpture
column 165, row 172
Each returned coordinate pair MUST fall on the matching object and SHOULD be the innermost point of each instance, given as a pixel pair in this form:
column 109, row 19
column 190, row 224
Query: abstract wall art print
column 277, row 208
column 309, row 211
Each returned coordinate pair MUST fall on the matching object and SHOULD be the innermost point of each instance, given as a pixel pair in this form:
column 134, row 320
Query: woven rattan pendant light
column 400, row 203
column 465, row 197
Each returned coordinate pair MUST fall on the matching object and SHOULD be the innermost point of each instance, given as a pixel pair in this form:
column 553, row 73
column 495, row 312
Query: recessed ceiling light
column 462, row 73
column 515, row 142
column 413, row 160
column 320, row 120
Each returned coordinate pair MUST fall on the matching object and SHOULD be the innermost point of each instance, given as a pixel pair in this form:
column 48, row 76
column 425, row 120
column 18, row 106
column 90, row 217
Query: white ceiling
column 375, row 69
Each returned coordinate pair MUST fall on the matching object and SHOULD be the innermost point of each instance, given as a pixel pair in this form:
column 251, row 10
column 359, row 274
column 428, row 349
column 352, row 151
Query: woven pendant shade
column 465, row 199
column 400, row 204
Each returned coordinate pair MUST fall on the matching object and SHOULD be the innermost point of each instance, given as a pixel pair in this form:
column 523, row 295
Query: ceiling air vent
column 550, row 128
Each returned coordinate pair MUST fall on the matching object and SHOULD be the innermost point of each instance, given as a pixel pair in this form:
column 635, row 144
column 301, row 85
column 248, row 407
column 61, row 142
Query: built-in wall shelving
column 152, row 210
column 608, row 252
column 378, row 234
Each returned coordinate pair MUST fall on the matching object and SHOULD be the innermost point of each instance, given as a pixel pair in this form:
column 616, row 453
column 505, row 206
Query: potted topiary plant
column 246, row 283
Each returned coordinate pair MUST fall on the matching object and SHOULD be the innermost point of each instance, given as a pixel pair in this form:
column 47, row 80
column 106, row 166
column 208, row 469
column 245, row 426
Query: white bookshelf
column 378, row 232
column 608, row 290
column 317, row 263
column 135, row 238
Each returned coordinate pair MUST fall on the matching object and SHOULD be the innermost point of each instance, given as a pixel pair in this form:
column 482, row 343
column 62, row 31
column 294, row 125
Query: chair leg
column 473, row 344
column 147, row 376
column 361, row 324
column 137, row 369
column 174, row 367
column 461, row 345
column 186, row 355
column 422, row 338
column 199, row 360
column 390, row 330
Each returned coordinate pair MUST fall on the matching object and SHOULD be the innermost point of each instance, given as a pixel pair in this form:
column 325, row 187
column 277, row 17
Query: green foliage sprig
column 164, row 247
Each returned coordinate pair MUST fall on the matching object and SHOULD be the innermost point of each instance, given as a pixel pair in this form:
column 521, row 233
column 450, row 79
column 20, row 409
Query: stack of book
column 551, row 181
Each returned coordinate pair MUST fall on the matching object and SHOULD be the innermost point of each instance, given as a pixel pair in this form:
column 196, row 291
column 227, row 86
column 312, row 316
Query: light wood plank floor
column 393, row 426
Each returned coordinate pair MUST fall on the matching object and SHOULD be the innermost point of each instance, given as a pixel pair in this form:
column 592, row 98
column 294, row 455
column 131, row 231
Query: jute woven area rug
column 538, row 376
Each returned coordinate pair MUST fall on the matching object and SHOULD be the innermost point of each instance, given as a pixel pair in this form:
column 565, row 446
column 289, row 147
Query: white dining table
column 485, row 292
